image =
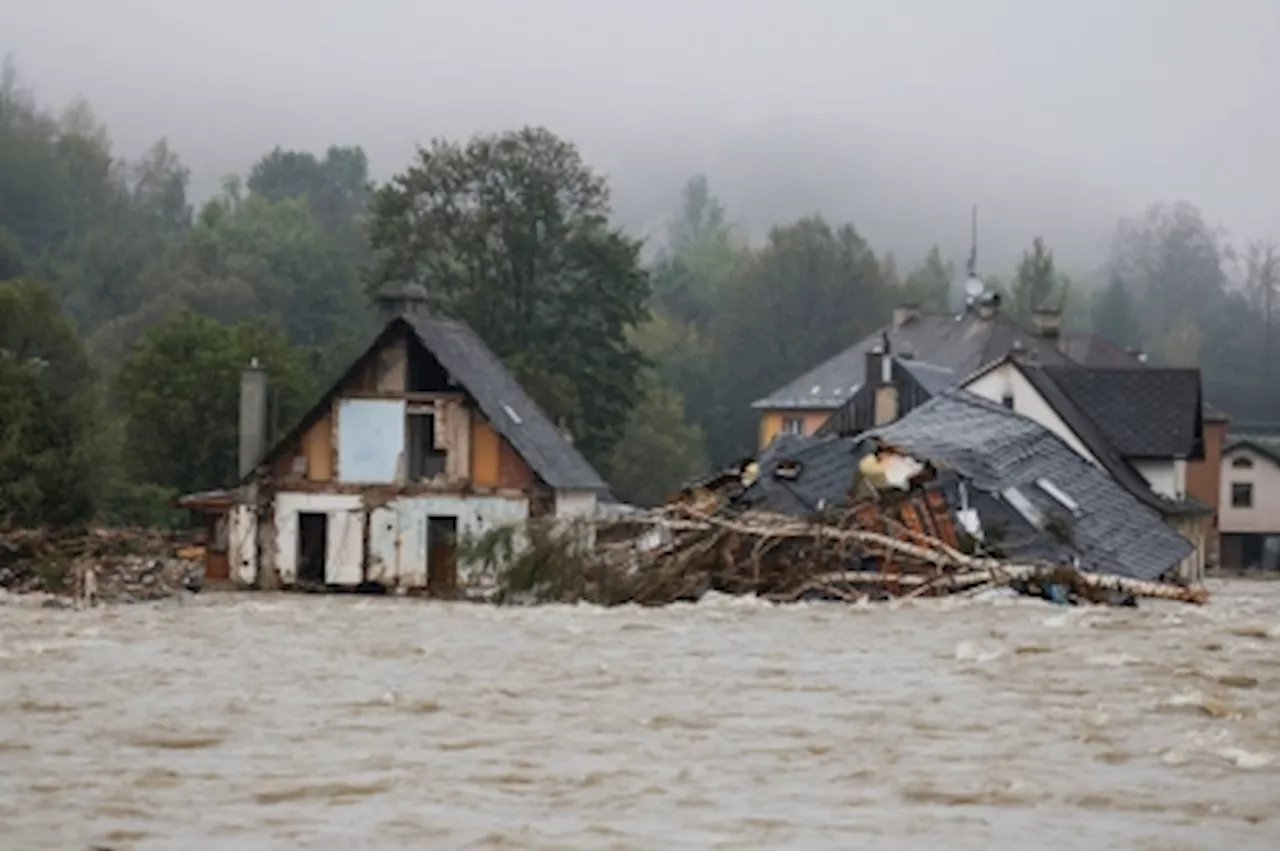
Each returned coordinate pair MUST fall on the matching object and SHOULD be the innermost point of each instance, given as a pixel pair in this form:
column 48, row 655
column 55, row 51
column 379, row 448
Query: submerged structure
column 425, row 441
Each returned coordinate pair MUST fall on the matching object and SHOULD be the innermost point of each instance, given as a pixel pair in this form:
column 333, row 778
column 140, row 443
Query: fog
column 1054, row 117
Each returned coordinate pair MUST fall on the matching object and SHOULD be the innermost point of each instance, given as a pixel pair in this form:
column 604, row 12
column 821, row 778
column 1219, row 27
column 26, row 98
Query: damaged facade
column 427, row 441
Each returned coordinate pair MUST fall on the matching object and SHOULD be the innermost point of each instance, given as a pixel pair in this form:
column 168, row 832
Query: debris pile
column 108, row 565
column 784, row 559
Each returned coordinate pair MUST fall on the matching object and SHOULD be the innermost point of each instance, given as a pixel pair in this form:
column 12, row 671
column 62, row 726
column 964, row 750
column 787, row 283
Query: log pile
column 784, row 558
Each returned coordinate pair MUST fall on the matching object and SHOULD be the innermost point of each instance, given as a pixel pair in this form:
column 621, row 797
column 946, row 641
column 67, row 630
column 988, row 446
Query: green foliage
column 180, row 391
column 511, row 234
column 658, row 451
column 1115, row 315
column 703, row 258
column 50, row 459
column 810, row 292
column 253, row 257
column 1037, row 284
column 928, row 285
column 126, row 503
column 336, row 190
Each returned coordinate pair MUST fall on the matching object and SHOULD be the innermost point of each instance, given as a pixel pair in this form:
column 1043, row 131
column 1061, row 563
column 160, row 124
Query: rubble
column 785, row 559
column 99, row 565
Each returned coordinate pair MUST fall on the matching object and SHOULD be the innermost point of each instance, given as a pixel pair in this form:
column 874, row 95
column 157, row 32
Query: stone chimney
column 1047, row 322
column 400, row 298
column 904, row 313
column 988, row 305
column 253, row 416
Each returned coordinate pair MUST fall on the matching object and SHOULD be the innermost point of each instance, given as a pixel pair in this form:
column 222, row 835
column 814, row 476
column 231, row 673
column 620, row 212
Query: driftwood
column 784, row 558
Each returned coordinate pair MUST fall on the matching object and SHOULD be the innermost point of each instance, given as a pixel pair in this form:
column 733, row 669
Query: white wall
column 344, row 541
column 1167, row 477
column 1264, row 475
column 398, row 542
column 1007, row 380
column 404, row 522
column 575, row 503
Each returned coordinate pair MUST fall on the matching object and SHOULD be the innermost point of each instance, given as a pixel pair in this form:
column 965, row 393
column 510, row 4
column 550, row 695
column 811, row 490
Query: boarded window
column 425, row 460
column 370, row 440
column 1241, row 495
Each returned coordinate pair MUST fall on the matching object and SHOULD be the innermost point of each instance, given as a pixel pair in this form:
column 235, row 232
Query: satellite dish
column 973, row 287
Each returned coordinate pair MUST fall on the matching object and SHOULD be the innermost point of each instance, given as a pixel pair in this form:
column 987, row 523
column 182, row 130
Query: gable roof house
column 1014, row 474
column 425, row 441
column 1143, row 425
column 960, row 343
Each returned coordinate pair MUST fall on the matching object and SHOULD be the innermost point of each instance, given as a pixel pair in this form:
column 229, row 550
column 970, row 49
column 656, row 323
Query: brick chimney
column 988, row 305
column 1047, row 322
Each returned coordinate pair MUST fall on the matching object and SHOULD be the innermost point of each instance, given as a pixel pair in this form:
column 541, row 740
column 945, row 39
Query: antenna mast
column 973, row 243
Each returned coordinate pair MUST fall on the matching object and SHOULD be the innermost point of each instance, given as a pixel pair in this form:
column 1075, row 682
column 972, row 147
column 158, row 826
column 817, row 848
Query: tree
column 702, row 258
column 50, row 461
column 1173, row 261
column 250, row 257
column 929, row 284
column 1115, row 315
column 1037, row 284
column 180, row 390
column 810, row 293
column 335, row 188
column 511, row 234
column 1262, row 288
column 659, row 449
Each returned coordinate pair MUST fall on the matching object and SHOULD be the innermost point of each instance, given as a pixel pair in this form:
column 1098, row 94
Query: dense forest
column 126, row 312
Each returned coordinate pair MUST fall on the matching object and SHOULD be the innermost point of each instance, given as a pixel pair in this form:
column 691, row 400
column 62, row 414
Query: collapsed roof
column 1012, row 471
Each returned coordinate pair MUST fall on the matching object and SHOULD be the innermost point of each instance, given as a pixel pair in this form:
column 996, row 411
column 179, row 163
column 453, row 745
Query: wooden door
column 442, row 557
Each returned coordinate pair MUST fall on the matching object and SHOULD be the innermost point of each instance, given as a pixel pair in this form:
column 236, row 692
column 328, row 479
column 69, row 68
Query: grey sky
column 1055, row 116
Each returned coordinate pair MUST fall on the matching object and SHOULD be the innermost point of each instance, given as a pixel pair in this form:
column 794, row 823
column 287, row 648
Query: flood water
column 256, row 722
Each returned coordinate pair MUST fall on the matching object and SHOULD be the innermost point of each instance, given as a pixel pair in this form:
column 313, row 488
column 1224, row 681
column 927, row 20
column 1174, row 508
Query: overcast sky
column 1054, row 116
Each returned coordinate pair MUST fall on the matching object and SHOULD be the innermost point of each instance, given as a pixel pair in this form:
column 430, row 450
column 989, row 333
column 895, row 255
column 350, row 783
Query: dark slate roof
column 506, row 405
column 1096, row 350
column 1095, row 440
column 1266, row 446
column 1144, row 412
column 962, row 343
column 499, row 396
column 995, row 449
column 933, row 379
column 828, row 466
column 917, row 383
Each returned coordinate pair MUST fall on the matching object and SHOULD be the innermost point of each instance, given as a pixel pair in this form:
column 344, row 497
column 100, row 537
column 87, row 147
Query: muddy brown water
column 281, row 722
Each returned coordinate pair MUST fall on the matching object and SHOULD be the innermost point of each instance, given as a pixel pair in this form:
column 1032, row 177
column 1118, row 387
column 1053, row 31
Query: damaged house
column 960, row 467
column 426, row 441
column 1143, row 425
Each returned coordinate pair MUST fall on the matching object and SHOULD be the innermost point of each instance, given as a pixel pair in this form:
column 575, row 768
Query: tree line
column 126, row 313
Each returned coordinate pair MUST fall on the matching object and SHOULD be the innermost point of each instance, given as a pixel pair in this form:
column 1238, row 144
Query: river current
column 243, row 721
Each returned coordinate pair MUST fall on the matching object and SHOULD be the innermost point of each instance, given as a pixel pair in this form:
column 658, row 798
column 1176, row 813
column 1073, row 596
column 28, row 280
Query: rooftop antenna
column 973, row 242
column 973, row 287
